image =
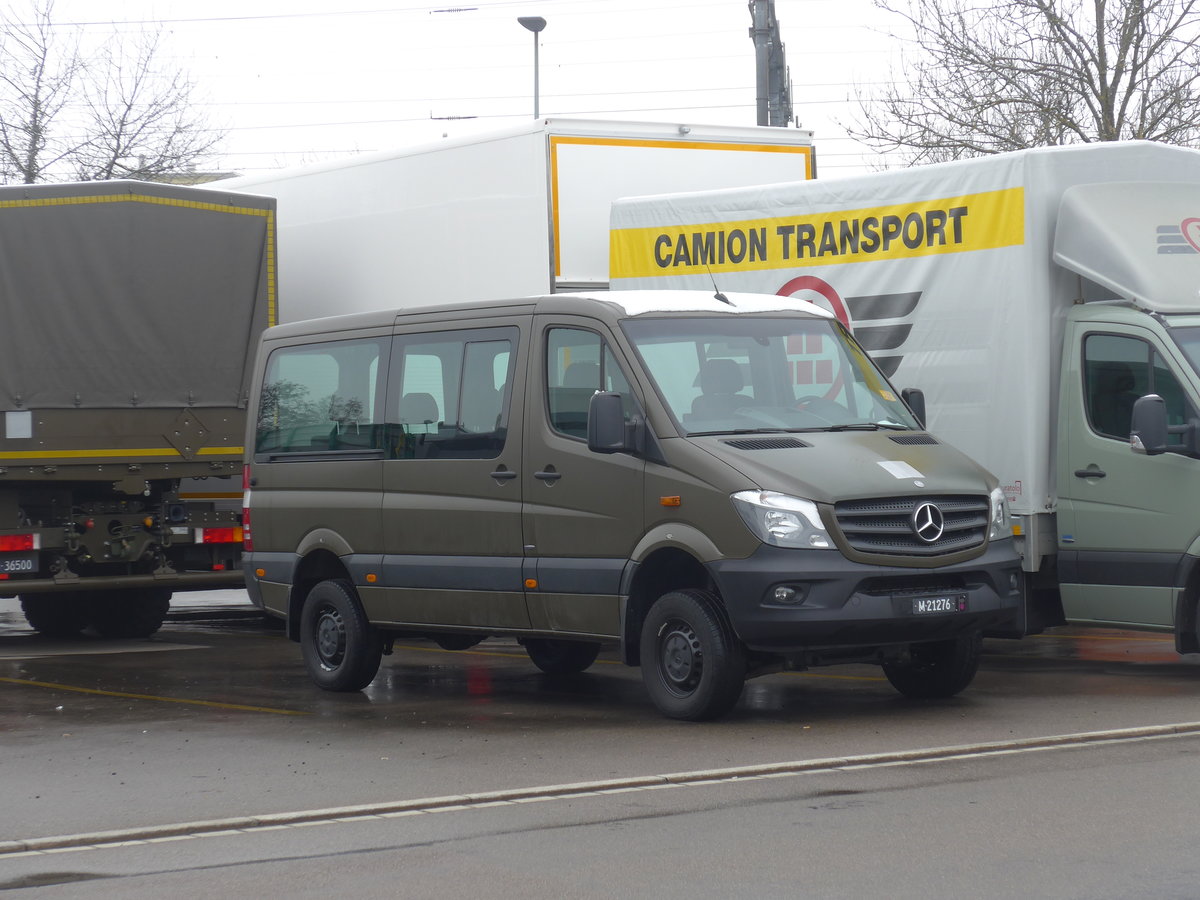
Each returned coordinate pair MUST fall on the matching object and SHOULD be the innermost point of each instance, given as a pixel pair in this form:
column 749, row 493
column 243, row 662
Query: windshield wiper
column 868, row 426
column 743, row 431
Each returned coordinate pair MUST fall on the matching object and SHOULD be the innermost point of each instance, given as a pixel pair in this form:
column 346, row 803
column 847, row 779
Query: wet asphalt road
column 215, row 718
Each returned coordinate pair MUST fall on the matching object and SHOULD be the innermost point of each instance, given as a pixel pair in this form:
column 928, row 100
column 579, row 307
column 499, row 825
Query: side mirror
column 607, row 430
column 1148, row 432
column 914, row 399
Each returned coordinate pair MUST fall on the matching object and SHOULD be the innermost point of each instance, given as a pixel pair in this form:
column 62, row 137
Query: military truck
column 129, row 314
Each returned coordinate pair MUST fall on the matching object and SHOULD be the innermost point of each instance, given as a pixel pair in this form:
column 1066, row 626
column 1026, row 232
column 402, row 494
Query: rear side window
column 321, row 397
column 448, row 395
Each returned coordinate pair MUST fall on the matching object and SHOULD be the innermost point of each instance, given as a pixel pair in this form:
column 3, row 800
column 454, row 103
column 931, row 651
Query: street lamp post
column 534, row 24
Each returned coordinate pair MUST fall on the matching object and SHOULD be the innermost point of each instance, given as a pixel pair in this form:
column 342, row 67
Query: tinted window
column 320, row 397
column 1117, row 370
column 448, row 395
column 578, row 364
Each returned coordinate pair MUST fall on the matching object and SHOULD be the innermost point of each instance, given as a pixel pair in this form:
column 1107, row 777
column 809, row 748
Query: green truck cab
column 720, row 486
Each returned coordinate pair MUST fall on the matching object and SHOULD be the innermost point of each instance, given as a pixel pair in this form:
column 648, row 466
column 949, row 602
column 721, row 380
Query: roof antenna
column 718, row 295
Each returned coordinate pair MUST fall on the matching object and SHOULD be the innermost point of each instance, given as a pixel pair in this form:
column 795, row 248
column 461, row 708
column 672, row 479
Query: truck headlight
column 1001, row 521
column 782, row 520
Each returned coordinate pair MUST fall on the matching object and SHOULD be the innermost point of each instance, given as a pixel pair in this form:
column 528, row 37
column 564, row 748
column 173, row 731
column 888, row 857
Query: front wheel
column 938, row 669
column 342, row 650
column 692, row 664
column 556, row 657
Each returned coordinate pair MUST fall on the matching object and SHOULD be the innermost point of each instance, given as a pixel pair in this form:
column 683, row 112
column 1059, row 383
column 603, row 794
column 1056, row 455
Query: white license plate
column 939, row 605
column 18, row 565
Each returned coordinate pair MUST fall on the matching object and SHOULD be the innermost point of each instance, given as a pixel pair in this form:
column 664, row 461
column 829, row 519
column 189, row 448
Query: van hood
column 848, row 465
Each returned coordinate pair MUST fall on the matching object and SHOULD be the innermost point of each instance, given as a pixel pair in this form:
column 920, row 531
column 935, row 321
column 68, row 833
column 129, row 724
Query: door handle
column 504, row 474
column 1090, row 473
column 549, row 475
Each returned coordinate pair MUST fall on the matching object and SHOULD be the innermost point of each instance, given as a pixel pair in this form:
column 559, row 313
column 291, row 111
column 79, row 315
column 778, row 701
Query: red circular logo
column 1191, row 231
column 824, row 290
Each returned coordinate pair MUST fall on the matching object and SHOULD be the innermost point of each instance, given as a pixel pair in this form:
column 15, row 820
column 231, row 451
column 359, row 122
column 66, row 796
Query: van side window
column 448, row 394
column 1117, row 371
column 578, row 364
column 320, row 397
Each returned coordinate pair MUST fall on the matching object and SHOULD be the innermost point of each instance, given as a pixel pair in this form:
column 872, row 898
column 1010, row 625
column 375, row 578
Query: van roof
column 608, row 305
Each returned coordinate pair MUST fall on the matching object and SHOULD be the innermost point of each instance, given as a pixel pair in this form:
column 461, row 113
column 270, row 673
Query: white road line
column 489, row 799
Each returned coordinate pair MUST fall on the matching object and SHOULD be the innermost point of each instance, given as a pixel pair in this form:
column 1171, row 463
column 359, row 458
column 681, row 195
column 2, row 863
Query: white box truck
column 1033, row 297
column 509, row 213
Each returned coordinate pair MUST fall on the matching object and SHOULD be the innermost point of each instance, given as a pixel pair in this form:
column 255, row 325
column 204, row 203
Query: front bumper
column 844, row 604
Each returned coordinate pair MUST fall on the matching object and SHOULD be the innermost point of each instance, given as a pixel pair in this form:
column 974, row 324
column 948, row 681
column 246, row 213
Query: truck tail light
column 16, row 543
column 247, row 541
column 231, row 535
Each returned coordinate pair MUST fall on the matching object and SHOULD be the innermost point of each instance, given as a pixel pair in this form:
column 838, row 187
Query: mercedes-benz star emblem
column 928, row 522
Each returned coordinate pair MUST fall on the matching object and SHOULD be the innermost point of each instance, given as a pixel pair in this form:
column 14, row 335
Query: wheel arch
column 1187, row 607
column 665, row 568
column 317, row 565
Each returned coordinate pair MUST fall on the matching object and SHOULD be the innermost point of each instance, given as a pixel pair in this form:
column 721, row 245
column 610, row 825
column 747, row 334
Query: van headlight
column 1001, row 521
column 782, row 520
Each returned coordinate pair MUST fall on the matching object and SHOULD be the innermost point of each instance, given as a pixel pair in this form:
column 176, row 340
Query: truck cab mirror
column 607, row 430
column 914, row 399
column 1148, row 432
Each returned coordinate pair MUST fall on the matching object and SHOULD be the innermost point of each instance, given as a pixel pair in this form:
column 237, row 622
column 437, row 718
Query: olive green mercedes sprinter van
column 719, row 486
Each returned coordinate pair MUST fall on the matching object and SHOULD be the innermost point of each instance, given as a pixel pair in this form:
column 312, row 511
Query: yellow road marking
column 128, row 696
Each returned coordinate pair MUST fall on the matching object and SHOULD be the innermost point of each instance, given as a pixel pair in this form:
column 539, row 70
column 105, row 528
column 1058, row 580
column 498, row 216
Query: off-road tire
column 693, row 665
column 341, row 649
column 938, row 669
column 55, row 615
column 129, row 614
column 556, row 657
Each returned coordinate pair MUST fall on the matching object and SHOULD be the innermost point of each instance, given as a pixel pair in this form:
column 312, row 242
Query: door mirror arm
column 609, row 432
column 1191, row 436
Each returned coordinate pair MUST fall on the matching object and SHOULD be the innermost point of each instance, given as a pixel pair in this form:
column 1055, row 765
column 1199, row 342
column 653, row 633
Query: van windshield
column 723, row 374
column 1188, row 339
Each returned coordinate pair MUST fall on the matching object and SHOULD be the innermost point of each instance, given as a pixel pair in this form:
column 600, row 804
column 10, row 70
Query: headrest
column 721, row 376
column 418, row 409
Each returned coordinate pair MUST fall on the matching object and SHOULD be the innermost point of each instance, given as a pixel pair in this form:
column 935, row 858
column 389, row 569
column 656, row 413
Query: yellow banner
column 981, row 221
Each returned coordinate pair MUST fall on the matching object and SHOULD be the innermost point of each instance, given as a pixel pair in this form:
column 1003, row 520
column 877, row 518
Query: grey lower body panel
column 846, row 604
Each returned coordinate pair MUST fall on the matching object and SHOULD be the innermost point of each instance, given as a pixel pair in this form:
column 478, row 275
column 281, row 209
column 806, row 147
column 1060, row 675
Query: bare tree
column 985, row 78
column 38, row 72
column 138, row 117
column 113, row 112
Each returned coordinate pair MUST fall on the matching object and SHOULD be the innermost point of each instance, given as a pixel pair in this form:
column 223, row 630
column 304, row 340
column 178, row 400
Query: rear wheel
column 692, row 664
column 342, row 650
column 129, row 614
column 55, row 615
column 937, row 669
column 556, row 657
column 457, row 641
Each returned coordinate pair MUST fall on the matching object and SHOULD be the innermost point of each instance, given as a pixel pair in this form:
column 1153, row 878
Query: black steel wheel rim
column 330, row 638
column 681, row 658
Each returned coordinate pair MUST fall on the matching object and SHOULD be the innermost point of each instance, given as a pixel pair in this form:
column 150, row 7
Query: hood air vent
column 910, row 439
column 779, row 443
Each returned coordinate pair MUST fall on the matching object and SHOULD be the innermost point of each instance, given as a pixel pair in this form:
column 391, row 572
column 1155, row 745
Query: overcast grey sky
column 305, row 80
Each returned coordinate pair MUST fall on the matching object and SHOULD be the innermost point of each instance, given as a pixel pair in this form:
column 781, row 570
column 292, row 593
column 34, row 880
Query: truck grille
column 914, row 526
